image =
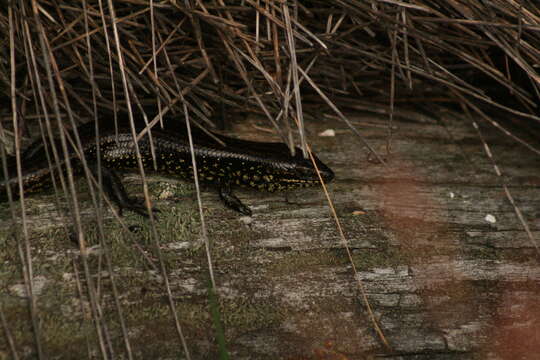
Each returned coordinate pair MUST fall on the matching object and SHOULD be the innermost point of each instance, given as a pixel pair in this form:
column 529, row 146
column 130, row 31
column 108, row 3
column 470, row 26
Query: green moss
column 296, row 261
column 64, row 328
column 142, row 295
column 483, row 253
column 244, row 314
column 383, row 257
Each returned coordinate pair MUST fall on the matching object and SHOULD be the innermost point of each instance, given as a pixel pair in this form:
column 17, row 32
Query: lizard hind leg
column 116, row 192
column 231, row 201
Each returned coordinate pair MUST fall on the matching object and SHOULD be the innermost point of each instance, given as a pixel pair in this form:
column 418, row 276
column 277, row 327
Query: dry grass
column 369, row 55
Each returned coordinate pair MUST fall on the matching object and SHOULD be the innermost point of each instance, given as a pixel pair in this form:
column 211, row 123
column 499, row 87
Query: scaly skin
column 261, row 166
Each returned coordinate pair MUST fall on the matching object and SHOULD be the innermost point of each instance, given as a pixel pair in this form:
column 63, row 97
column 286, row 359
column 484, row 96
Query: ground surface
column 446, row 265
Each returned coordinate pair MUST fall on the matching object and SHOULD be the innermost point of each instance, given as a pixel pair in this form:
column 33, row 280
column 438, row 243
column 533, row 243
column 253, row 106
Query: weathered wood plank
column 443, row 281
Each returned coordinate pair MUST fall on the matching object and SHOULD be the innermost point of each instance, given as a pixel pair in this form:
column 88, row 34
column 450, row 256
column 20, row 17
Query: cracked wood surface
column 444, row 282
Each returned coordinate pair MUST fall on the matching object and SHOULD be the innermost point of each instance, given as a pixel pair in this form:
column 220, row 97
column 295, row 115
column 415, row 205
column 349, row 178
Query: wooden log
column 446, row 265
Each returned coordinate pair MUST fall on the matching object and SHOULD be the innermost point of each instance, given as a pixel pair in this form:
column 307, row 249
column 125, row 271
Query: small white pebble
column 452, row 195
column 246, row 219
column 328, row 133
column 166, row 194
column 490, row 219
